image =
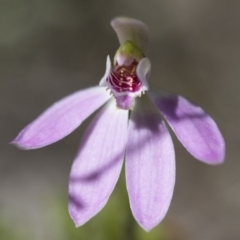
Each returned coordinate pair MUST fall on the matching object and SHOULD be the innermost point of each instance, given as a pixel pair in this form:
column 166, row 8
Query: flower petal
column 195, row 129
column 61, row 118
column 97, row 166
column 143, row 72
column 103, row 81
column 133, row 30
column 150, row 166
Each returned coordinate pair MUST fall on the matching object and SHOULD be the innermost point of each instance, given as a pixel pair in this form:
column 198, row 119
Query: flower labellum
column 128, row 78
column 135, row 131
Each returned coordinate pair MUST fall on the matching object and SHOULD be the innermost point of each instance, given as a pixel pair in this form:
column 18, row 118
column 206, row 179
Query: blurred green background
column 50, row 48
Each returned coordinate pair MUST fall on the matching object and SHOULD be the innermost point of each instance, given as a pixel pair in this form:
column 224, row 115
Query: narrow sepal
column 98, row 163
column 150, row 165
column 195, row 129
column 61, row 118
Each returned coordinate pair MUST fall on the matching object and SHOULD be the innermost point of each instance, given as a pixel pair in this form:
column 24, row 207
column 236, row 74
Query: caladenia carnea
column 129, row 127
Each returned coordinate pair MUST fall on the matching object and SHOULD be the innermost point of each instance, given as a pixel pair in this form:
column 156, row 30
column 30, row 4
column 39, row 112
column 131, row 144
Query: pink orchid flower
column 128, row 126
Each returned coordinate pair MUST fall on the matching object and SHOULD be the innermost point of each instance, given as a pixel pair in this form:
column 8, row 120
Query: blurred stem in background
column 7, row 232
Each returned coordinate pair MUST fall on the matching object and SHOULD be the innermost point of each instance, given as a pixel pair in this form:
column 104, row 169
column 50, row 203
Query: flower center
column 128, row 77
column 124, row 78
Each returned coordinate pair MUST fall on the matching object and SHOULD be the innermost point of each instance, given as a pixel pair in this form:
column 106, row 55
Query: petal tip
column 125, row 20
column 148, row 224
column 18, row 144
column 75, row 220
column 24, row 145
column 148, row 228
column 217, row 160
column 214, row 156
column 118, row 19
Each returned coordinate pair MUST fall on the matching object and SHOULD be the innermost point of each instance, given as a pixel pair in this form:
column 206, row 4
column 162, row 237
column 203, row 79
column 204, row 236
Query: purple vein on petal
column 97, row 166
column 61, row 118
column 150, row 165
column 196, row 130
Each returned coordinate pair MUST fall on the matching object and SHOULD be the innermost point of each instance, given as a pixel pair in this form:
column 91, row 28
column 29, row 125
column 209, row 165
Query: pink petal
column 150, row 166
column 133, row 30
column 61, row 118
column 97, row 166
column 195, row 129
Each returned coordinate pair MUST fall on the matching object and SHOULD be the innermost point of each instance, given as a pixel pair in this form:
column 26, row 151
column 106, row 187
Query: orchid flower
column 129, row 126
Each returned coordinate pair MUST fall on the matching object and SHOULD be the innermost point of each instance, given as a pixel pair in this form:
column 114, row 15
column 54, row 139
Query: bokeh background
column 51, row 48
